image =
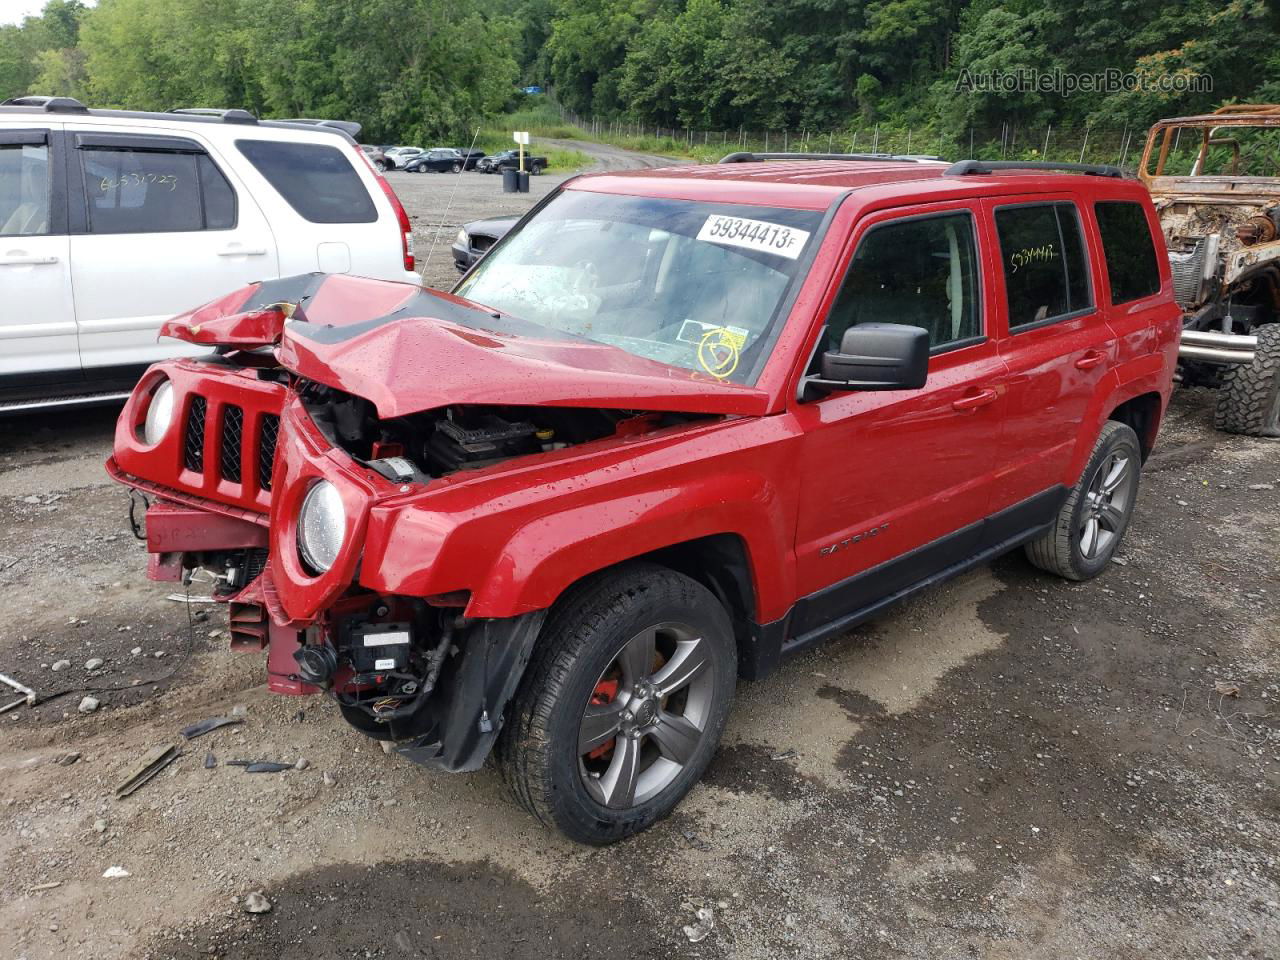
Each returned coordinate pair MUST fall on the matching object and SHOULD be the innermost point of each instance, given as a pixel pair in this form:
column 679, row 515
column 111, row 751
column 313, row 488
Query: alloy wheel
column 646, row 716
column 1106, row 504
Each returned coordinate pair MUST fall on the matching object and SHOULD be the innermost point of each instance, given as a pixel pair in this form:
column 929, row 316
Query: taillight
column 406, row 231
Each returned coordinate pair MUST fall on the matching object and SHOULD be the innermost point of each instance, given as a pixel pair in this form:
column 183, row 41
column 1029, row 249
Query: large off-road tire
column 622, row 705
column 1096, row 514
column 1249, row 398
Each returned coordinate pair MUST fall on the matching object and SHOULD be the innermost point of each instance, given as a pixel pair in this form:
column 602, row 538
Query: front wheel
column 457, row 168
column 623, row 704
column 1097, row 511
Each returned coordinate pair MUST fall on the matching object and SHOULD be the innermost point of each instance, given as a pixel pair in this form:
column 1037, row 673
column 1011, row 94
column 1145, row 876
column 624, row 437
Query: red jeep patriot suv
column 677, row 424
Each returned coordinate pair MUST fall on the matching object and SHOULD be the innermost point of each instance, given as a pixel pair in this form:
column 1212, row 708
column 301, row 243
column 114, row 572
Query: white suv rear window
column 318, row 181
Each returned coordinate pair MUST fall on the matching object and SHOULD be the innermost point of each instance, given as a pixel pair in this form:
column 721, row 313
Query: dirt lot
column 1009, row 766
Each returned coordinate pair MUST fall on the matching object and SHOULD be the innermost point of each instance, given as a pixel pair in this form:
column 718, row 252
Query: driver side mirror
column 876, row 356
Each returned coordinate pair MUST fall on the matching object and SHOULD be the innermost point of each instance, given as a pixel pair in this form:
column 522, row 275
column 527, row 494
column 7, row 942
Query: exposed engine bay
column 1225, row 257
column 436, row 443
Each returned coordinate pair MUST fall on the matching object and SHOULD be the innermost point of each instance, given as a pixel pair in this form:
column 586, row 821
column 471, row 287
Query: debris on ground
column 89, row 704
column 66, row 759
column 267, row 766
column 37, row 888
column 60, row 665
column 301, row 764
column 328, row 778
column 94, row 663
column 210, row 761
column 256, row 902
column 155, row 761
column 28, row 695
column 115, row 873
column 1226, row 688
column 100, row 826
column 702, row 927
column 194, row 730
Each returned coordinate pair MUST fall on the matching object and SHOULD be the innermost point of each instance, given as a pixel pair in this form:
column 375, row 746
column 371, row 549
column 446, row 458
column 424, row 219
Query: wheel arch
column 1142, row 413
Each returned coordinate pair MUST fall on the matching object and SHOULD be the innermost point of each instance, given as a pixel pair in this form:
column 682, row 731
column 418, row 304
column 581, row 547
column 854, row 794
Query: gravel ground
column 1008, row 766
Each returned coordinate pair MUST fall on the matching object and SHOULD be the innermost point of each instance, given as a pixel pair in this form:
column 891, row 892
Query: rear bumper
column 1228, row 349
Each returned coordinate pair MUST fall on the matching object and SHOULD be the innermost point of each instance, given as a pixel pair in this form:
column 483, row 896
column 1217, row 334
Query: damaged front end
column 348, row 484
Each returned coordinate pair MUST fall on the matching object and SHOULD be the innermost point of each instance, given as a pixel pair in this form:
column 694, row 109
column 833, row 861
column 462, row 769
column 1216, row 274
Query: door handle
column 26, row 261
column 1090, row 359
column 242, row 252
column 974, row 400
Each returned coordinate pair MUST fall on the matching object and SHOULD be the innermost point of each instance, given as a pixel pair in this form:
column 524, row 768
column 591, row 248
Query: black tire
column 1066, row 549
column 380, row 165
column 535, row 169
column 589, row 633
column 457, row 167
column 1249, row 398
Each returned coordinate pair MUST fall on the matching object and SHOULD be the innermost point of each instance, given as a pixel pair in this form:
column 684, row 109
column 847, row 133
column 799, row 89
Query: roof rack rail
column 233, row 115
column 349, row 127
column 49, row 104
column 964, row 168
column 746, row 156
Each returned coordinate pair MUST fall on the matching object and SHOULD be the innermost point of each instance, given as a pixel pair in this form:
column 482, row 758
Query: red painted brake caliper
column 605, row 692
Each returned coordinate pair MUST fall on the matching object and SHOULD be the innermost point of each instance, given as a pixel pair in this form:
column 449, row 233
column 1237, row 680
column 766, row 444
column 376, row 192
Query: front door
column 159, row 227
column 37, row 315
column 895, row 485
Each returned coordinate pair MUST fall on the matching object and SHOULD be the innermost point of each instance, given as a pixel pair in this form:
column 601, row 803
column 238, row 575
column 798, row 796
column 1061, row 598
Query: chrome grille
column 232, row 437
column 1188, row 273
column 193, row 441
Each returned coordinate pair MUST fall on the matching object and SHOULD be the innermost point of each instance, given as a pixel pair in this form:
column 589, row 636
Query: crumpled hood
column 407, row 348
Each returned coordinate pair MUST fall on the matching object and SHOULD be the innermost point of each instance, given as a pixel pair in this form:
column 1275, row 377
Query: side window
column 1129, row 250
column 145, row 191
column 318, row 181
column 919, row 271
column 1046, row 275
column 24, row 189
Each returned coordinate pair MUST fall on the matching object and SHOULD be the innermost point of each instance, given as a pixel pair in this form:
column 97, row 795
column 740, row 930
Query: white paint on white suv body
column 96, row 300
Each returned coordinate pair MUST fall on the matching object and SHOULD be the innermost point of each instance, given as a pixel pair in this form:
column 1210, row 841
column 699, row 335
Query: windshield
column 694, row 285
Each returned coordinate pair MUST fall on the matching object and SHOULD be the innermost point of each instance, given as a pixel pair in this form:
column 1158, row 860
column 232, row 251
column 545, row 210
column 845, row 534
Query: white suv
column 113, row 221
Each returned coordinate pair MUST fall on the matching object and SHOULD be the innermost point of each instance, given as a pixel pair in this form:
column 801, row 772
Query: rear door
column 1056, row 343
column 895, row 485
column 37, row 314
column 158, row 226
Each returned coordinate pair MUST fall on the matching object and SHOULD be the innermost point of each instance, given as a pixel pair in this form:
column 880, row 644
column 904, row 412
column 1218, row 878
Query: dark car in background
column 436, row 160
column 474, row 239
column 510, row 160
column 470, row 157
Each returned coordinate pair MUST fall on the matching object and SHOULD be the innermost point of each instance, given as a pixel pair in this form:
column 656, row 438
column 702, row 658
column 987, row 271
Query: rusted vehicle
column 1215, row 180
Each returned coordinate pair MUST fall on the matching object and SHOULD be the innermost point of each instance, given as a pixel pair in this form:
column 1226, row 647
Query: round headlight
column 463, row 238
column 159, row 414
column 322, row 524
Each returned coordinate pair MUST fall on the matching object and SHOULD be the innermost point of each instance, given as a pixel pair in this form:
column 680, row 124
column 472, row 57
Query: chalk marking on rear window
column 754, row 235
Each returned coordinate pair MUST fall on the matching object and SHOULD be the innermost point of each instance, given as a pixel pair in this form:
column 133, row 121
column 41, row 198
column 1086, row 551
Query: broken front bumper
column 1206, row 346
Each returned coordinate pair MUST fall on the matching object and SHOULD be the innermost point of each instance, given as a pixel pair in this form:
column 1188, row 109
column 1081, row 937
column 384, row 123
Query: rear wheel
column 623, row 704
column 457, row 167
column 1097, row 511
column 1249, row 398
column 536, row 169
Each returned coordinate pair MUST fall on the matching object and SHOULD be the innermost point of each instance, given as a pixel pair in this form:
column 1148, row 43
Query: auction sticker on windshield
column 754, row 235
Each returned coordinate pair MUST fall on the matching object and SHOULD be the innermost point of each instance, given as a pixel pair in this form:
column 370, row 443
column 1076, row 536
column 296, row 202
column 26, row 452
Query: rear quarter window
column 316, row 180
column 1129, row 249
